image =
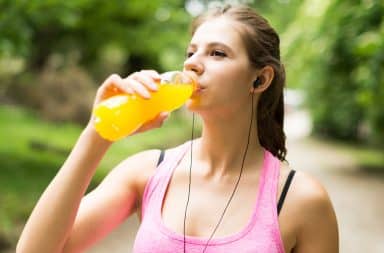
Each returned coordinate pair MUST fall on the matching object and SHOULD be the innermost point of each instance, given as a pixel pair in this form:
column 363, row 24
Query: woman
column 226, row 196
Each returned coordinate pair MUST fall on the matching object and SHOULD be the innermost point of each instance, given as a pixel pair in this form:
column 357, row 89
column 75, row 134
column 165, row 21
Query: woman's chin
column 193, row 104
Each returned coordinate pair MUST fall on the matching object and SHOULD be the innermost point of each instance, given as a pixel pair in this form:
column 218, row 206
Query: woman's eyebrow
column 219, row 44
column 212, row 44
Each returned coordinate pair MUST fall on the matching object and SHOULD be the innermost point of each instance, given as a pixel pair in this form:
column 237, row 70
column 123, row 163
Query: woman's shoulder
column 141, row 163
column 305, row 188
column 137, row 169
column 309, row 192
column 308, row 212
column 309, row 203
column 306, row 193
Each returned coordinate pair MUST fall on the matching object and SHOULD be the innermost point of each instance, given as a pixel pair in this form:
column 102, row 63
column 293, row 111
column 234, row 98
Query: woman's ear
column 263, row 79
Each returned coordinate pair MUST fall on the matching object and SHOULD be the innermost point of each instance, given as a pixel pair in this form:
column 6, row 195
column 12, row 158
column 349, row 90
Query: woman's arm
column 53, row 216
column 317, row 225
column 115, row 199
column 58, row 220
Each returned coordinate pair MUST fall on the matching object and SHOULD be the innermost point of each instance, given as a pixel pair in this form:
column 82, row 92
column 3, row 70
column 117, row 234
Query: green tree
column 64, row 46
column 139, row 31
column 337, row 54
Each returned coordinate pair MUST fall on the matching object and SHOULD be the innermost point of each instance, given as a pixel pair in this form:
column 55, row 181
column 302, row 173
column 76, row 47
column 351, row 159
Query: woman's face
column 217, row 57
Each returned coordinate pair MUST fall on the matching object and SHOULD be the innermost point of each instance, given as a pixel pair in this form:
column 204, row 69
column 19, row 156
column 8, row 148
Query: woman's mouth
column 199, row 89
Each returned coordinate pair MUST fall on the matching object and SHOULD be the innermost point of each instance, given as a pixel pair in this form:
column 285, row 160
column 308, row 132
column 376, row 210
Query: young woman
column 222, row 192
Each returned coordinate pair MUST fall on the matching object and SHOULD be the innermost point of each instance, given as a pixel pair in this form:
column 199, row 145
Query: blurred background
column 54, row 54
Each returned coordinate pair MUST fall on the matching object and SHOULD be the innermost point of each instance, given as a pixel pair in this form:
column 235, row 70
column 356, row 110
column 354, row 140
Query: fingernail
column 146, row 95
column 154, row 86
column 163, row 114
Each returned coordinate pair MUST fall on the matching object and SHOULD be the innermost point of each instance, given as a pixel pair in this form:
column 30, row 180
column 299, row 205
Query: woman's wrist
column 90, row 132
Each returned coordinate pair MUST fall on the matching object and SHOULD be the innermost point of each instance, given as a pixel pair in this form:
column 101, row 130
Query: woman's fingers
column 148, row 78
column 136, row 86
column 153, row 74
column 140, row 83
column 154, row 123
column 111, row 86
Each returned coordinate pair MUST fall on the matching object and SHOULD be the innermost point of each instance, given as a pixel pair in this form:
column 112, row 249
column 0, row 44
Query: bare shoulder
column 135, row 170
column 305, row 191
column 113, row 200
column 310, row 195
column 313, row 212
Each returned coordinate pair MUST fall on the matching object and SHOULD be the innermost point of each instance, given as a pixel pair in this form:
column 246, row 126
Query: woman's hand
column 141, row 83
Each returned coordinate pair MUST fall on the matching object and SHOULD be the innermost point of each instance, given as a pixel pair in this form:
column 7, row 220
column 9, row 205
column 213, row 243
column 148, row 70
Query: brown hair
column 263, row 46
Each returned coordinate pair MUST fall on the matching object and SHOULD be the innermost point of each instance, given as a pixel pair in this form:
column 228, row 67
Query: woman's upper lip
column 199, row 87
column 196, row 80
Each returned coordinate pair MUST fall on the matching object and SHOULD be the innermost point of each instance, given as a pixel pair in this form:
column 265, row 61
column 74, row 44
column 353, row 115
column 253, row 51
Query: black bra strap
column 161, row 157
column 285, row 190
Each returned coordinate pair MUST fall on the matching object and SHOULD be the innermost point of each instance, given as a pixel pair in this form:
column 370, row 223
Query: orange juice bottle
column 120, row 115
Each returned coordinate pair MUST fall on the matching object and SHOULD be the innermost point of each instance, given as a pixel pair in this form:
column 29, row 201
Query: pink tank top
column 260, row 235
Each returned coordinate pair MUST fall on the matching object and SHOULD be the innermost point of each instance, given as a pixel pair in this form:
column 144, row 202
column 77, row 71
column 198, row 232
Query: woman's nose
column 193, row 64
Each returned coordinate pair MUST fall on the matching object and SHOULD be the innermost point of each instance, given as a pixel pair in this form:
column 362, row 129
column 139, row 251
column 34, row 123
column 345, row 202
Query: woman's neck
column 224, row 142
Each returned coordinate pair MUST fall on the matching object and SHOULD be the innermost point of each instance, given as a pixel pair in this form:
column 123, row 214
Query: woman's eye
column 189, row 54
column 218, row 53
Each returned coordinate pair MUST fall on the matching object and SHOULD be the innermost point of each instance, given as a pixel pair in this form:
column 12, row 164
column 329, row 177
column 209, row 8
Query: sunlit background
column 54, row 54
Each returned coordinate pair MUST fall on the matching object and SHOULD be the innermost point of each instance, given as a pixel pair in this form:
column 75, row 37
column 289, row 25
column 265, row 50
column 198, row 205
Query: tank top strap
column 269, row 178
column 266, row 214
column 157, row 183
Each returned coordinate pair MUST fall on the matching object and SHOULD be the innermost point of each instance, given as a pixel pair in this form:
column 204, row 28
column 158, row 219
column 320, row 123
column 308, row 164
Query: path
column 357, row 197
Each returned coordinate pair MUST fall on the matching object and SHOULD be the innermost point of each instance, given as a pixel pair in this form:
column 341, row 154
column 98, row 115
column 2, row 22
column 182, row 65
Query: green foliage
column 57, row 94
column 280, row 13
column 30, row 156
column 140, row 31
column 338, row 57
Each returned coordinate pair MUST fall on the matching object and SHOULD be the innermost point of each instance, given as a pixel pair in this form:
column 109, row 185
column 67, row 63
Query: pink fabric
column 260, row 235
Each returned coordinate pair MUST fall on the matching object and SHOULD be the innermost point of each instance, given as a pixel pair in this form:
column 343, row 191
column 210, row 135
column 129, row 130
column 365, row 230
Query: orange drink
column 120, row 115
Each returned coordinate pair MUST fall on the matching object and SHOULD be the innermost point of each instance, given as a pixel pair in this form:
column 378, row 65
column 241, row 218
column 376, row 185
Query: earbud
column 256, row 83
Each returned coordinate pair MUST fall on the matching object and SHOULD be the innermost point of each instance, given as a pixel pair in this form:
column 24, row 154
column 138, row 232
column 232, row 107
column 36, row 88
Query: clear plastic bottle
column 120, row 115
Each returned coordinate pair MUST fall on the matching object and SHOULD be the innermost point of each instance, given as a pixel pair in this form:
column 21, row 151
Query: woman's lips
column 198, row 90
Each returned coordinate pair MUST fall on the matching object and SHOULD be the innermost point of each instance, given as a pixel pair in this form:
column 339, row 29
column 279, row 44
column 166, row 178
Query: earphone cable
column 189, row 181
column 233, row 192
column 237, row 182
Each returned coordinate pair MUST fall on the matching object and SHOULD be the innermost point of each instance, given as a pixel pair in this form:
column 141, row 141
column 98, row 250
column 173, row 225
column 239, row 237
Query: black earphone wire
column 234, row 190
column 190, row 180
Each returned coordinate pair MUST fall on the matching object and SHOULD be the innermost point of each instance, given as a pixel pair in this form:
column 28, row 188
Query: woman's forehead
column 221, row 30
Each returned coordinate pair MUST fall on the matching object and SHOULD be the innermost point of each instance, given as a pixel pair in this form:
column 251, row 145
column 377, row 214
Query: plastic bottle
column 120, row 115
